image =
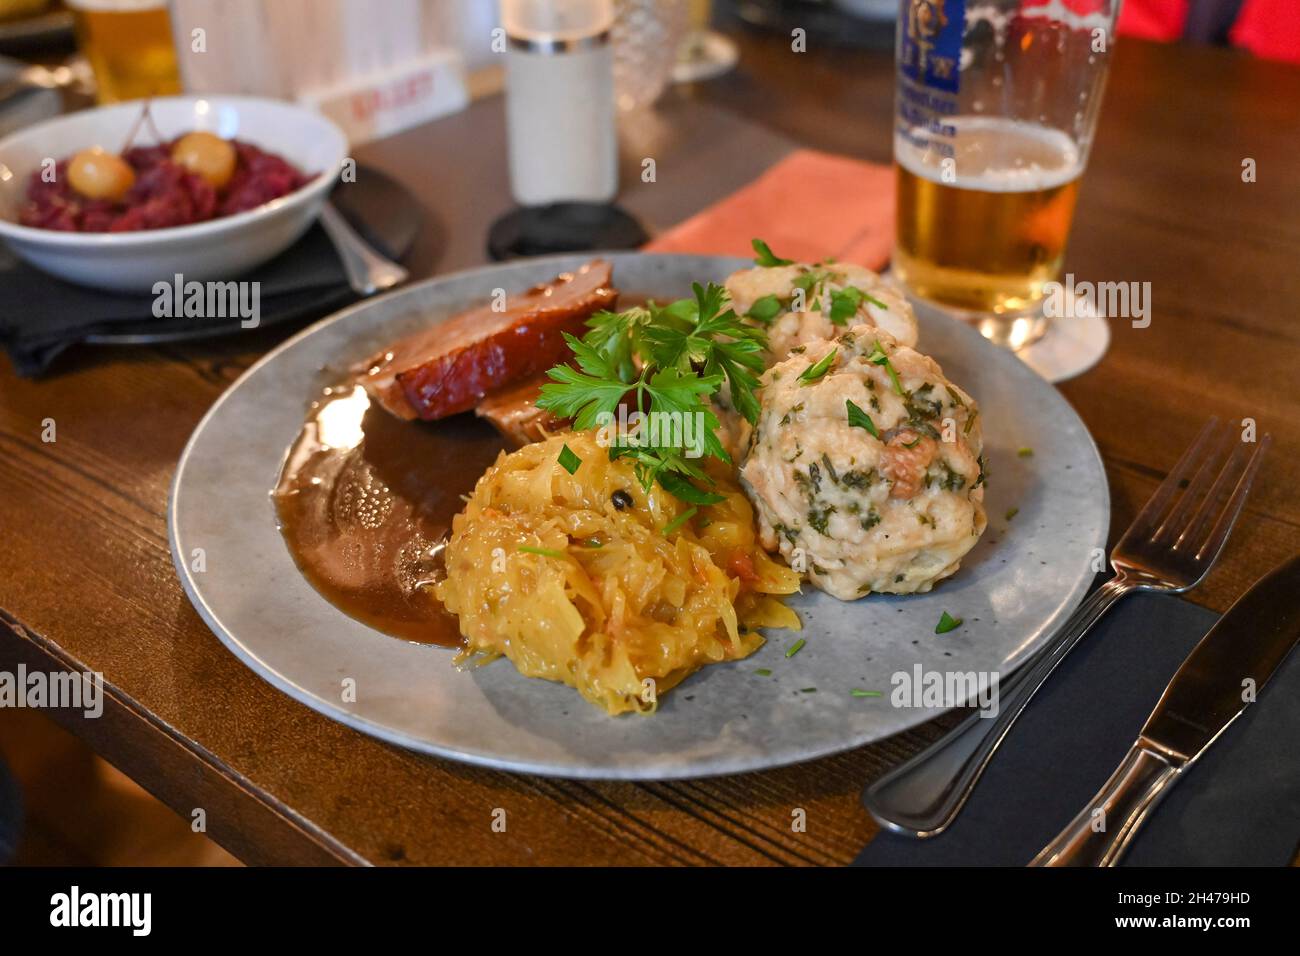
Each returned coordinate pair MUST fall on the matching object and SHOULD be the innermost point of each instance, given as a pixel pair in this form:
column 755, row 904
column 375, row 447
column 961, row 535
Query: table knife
column 1210, row 690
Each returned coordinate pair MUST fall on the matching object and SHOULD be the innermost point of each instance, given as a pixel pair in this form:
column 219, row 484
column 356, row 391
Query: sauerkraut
column 588, row 579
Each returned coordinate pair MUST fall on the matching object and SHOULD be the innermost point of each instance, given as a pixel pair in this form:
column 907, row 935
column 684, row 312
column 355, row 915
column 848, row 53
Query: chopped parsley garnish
column 569, row 461
column 858, row 479
column 1012, row 512
column 680, row 487
column 680, row 520
column 820, row 517
column 860, row 419
column 765, row 309
column 878, row 357
column 865, row 693
column 813, row 372
column 845, row 303
column 795, row 648
column 763, row 672
column 807, row 281
column 661, row 359
column 764, row 256
column 544, row 552
column 947, row 623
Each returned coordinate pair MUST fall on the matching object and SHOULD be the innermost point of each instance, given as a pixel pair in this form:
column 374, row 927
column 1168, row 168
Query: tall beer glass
column 995, row 107
column 129, row 46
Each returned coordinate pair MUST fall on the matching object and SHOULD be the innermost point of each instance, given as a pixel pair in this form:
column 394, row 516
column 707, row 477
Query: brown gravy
column 365, row 503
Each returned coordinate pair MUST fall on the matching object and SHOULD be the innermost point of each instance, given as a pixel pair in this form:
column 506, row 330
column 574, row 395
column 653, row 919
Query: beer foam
column 994, row 154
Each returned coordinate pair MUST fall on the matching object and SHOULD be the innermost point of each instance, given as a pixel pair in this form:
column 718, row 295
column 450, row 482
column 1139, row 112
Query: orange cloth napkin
column 809, row 206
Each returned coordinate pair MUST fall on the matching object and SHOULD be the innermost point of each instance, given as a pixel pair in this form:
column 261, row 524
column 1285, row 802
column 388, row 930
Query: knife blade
column 1240, row 654
column 1216, row 682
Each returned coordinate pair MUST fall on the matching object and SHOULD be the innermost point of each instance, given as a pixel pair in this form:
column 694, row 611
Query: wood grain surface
column 86, row 580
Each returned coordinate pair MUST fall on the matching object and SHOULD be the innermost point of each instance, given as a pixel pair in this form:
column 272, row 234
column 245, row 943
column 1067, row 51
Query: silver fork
column 1171, row 546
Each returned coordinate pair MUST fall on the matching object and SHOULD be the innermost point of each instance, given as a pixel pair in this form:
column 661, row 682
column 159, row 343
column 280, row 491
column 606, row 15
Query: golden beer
column 982, row 230
column 129, row 46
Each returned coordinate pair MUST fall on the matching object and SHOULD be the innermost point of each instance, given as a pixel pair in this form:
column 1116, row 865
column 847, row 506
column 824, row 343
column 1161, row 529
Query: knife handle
column 1132, row 791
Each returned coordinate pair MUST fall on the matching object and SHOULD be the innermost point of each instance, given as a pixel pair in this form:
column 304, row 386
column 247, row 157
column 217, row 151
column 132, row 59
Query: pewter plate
column 1016, row 586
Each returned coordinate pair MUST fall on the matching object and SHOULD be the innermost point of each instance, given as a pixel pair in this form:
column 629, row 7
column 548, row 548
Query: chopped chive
column 813, row 372
column 860, row 419
column 763, row 672
column 1012, row 512
column 878, row 357
column 569, row 461
column 808, row 690
column 1026, row 453
column 795, row 648
column 866, row 693
column 765, row 256
column 680, row 520
column 970, row 421
column 544, row 552
column 947, row 623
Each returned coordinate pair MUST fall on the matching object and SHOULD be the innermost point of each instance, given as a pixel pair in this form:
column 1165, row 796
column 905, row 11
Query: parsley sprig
column 763, row 255
column 662, row 358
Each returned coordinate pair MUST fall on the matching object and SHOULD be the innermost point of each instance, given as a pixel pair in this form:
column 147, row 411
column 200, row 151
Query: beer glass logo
column 931, row 43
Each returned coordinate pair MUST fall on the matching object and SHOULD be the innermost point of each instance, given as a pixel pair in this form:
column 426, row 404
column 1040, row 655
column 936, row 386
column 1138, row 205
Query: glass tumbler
column 996, row 102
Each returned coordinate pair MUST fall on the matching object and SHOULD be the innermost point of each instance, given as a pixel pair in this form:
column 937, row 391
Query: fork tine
column 1151, row 511
column 1187, row 502
column 1216, row 499
column 1209, row 551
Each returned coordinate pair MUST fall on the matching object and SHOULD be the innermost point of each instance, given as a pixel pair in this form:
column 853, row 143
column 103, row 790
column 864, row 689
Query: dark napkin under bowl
column 1239, row 805
column 41, row 316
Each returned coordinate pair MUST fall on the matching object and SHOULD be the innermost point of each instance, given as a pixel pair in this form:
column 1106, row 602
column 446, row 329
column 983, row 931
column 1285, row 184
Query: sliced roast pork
column 450, row 367
column 514, row 412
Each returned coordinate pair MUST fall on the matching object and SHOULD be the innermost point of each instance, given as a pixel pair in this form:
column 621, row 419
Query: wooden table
column 86, row 581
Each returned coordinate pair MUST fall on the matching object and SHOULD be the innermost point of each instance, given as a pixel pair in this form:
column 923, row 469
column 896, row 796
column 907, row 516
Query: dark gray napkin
column 41, row 316
column 1237, row 806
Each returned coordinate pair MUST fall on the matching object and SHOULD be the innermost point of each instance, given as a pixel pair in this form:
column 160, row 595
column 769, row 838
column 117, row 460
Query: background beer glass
column 129, row 46
column 996, row 102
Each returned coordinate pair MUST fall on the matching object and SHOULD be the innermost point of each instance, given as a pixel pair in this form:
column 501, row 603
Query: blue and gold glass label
column 930, row 47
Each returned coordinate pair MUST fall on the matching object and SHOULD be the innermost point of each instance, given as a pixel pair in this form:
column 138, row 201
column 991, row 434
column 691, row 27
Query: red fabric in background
column 1161, row 20
column 1265, row 28
column 1269, row 29
column 810, row 206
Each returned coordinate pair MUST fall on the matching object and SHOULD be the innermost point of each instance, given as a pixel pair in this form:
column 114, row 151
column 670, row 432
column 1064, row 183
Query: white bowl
column 216, row 249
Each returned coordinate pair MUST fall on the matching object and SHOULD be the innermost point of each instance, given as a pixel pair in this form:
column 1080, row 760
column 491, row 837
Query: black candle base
column 563, row 227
